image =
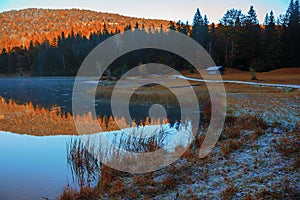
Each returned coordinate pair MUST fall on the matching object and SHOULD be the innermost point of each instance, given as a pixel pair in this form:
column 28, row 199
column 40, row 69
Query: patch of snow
column 93, row 82
column 167, row 136
column 240, row 82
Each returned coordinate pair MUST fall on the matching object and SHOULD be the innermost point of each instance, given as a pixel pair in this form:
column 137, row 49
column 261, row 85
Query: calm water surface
column 49, row 91
column 35, row 167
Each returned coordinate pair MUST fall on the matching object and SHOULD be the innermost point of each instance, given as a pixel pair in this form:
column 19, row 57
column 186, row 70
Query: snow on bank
column 241, row 82
column 167, row 137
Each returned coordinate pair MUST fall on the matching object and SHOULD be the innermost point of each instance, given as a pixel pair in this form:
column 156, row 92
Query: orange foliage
column 27, row 119
column 49, row 23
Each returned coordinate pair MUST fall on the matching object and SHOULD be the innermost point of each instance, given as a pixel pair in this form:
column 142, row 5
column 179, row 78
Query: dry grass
column 276, row 108
column 154, row 94
column 110, row 182
column 188, row 170
column 288, row 145
column 282, row 76
column 230, row 190
column 233, row 136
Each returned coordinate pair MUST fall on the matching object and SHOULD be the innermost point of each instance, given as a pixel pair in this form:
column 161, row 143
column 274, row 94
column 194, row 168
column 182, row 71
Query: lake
column 36, row 167
column 49, row 91
column 33, row 167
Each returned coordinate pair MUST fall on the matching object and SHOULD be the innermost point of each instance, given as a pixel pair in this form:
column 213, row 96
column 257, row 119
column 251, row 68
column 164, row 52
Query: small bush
column 230, row 145
column 287, row 146
column 170, row 182
column 230, row 191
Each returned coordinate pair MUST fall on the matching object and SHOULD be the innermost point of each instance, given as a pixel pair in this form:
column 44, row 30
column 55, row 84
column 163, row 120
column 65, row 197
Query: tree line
column 238, row 41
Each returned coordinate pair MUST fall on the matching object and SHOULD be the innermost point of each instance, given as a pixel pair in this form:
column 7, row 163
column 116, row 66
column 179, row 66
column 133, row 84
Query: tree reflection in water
column 84, row 165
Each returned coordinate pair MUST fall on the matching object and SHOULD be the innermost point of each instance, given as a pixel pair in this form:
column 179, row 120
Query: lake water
column 35, row 167
column 49, row 91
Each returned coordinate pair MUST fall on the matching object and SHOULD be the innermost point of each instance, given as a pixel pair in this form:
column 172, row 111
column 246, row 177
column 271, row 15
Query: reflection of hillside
column 35, row 120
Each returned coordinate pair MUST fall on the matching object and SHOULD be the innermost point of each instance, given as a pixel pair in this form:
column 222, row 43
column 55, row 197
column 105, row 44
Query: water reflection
column 43, row 91
column 36, row 167
column 82, row 163
column 49, row 91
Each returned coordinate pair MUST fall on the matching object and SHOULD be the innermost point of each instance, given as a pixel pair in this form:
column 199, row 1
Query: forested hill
column 45, row 42
column 22, row 26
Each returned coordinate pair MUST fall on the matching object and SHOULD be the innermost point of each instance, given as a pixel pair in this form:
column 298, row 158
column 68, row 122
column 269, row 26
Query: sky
column 157, row 9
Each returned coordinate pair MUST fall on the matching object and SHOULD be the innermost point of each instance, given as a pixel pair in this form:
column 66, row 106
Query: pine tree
column 136, row 25
column 290, row 12
column 3, row 61
column 205, row 33
column 212, row 36
column 39, row 62
column 200, row 29
column 251, row 18
column 181, row 27
column 266, row 21
column 12, row 63
column 290, row 36
column 271, row 20
column 252, row 41
column 197, row 22
column 232, row 17
column 188, row 29
column 271, row 44
column 172, row 26
column 230, row 40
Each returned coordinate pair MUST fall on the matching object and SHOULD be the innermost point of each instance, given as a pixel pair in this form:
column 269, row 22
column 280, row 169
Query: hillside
column 22, row 26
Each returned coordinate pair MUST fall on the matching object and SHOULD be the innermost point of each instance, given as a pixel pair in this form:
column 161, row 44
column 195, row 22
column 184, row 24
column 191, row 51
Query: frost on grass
column 257, row 156
column 277, row 109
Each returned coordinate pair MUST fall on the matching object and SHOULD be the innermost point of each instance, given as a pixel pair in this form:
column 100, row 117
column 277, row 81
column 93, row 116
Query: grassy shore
column 248, row 162
column 256, row 157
